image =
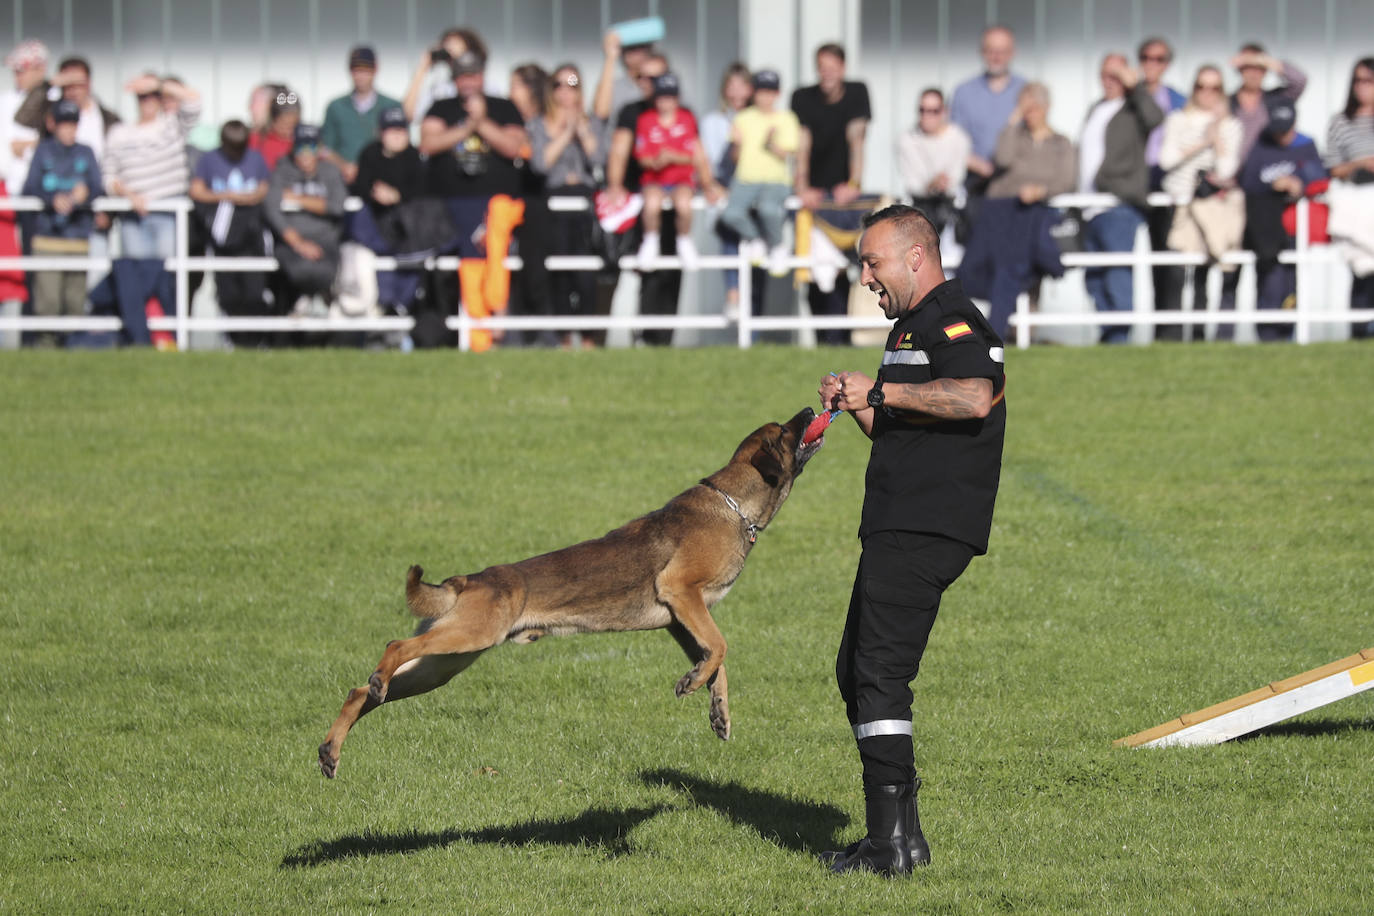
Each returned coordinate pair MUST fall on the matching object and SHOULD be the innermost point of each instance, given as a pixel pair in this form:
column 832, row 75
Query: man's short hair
column 833, row 49
column 911, row 222
column 1252, row 47
column 1154, row 40
column 81, row 62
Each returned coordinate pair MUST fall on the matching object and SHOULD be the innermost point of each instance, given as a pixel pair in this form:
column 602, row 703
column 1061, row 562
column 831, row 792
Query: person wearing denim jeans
column 1112, row 287
column 1111, row 160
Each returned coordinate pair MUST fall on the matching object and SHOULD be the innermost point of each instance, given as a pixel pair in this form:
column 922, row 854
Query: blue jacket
column 56, row 169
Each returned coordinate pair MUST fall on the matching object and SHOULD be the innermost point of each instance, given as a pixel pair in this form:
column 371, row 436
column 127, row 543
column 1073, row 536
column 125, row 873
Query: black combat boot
column 890, row 812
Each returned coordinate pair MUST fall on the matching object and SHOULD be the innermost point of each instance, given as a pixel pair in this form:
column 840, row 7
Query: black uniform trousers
column 896, row 595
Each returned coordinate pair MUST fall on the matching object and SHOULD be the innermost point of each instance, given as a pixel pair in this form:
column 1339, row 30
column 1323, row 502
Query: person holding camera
column 1200, row 155
column 433, row 77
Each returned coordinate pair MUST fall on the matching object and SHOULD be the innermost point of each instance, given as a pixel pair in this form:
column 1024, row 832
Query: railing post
column 744, row 334
column 1023, row 319
column 183, row 243
column 1303, row 331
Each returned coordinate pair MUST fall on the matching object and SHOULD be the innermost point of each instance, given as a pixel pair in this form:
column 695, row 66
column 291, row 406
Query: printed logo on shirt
column 957, row 330
column 905, row 342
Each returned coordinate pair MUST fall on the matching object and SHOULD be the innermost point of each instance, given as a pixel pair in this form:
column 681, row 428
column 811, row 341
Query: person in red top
column 278, row 138
column 667, row 147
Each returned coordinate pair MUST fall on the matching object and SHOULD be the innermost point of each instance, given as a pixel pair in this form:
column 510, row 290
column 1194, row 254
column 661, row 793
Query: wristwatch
column 875, row 394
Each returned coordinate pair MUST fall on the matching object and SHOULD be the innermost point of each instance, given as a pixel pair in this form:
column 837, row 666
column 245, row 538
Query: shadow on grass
column 598, row 828
column 1317, row 728
column 800, row 826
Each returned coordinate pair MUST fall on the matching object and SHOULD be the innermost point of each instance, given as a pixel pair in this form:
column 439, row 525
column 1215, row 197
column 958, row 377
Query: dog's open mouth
column 805, row 450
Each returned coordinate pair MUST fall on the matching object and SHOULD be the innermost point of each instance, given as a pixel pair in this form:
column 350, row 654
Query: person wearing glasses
column 1154, row 55
column 933, row 159
column 1201, row 156
column 568, row 150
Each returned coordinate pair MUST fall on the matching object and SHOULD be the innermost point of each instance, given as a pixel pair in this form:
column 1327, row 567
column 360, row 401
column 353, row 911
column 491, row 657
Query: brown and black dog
column 664, row 569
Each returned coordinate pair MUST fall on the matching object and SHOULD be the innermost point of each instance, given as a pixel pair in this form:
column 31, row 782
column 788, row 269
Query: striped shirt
column 1348, row 140
column 150, row 158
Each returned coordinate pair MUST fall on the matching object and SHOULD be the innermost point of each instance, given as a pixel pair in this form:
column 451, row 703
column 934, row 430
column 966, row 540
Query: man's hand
column 476, row 106
column 811, row 198
column 349, row 170
column 1031, row 193
column 844, row 194
column 385, row 194
column 1288, row 184
column 62, row 203
column 144, row 85
column 853, row 390
column 830, row 392
column 139, row 203
column 610, row 44
column 938, row 185
column 80, row 193
column 304, row 247
column 715, row 193
column 980, row 166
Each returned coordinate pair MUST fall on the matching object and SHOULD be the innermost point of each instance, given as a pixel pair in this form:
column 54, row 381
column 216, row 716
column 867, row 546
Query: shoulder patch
column 905, row 342
column 957, row 330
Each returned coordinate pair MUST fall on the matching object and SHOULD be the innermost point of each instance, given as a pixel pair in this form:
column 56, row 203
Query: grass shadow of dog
column 607, row 829
column 799, row 826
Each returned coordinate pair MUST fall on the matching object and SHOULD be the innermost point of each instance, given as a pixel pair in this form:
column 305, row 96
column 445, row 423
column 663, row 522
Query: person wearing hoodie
column 66, row 176
column 304, row 208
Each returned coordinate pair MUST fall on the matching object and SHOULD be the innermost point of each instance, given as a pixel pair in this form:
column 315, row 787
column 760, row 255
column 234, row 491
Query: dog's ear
column 768, row 463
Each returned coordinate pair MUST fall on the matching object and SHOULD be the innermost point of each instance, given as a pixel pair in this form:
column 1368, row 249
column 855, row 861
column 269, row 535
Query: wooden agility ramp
column 1265, row 706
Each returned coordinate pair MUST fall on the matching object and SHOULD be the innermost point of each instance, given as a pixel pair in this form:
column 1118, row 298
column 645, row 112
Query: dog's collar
column 751, row 530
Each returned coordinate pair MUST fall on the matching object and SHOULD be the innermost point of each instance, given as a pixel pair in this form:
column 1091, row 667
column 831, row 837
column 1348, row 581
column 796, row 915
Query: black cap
column 362, row 56
column 307, row 135
column 393, row 117
column 666, row 84
column 66, row 110
column 1282, row 117
column 468, row 62
column 767, row 79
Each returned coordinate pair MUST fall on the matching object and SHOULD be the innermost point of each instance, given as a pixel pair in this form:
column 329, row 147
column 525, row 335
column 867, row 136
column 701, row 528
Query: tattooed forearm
column 945, row 398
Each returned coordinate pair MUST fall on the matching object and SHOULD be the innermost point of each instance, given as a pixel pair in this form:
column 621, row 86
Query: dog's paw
column 376, row 688
column 720, row 718
column 329, row 760
column 686, row 685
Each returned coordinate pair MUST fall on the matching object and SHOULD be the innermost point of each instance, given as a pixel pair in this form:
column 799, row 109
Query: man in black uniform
column 936, row 417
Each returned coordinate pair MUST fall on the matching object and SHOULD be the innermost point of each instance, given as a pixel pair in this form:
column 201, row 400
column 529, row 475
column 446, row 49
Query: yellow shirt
column 756, row 164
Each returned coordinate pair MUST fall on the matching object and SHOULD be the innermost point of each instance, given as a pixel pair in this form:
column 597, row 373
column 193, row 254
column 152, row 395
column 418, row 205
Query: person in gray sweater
column 1111, row 160
column 305, row 208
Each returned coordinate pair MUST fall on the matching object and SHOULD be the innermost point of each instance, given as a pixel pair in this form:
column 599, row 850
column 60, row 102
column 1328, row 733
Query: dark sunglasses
column 925, row 110
column 1201, row 87
column 1154, row 58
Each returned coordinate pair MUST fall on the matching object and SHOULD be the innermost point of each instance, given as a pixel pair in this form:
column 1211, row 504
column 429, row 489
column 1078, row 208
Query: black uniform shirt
column 937, row 476
column 474, row 169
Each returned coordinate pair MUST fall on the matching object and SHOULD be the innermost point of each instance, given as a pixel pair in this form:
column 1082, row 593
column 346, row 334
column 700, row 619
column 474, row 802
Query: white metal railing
column 182, row 323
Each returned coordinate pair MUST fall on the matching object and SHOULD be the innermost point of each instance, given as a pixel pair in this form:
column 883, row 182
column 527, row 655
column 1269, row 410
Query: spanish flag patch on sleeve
column 957, row 330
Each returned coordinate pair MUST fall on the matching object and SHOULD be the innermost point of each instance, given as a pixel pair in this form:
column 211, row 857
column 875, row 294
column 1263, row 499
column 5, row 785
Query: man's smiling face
column 887, row 269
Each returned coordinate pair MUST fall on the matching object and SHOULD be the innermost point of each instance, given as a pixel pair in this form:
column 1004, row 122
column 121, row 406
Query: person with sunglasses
column 1350, row 157
column 1154, row 55
column 1201, row 156
column 933, row 159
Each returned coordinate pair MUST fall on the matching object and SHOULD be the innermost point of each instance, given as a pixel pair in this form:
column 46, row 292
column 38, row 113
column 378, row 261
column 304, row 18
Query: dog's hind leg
column 720, row 696
column 457, row 634
column 420, row 676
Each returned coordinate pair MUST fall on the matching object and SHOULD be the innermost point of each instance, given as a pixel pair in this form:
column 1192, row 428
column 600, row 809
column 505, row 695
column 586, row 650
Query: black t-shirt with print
column 474, row 169
column 937, row 476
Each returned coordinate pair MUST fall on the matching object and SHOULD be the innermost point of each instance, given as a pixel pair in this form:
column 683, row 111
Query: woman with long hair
column 568, row 149
column 1200, row 156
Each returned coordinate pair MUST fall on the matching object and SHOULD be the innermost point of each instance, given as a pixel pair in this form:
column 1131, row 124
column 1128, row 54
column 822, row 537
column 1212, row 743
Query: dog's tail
column 427, row 600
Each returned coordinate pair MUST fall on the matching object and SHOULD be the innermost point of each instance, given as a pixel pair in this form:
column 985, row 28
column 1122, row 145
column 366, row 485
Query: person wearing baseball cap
column 766, row 137
column 351, row 121
column 390, row 173
column 311, row 229
column 473, row 141
column 66, row 177
column 1277, row 172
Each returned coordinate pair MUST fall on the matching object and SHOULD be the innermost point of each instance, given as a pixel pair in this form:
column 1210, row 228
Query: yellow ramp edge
column 1360, row 665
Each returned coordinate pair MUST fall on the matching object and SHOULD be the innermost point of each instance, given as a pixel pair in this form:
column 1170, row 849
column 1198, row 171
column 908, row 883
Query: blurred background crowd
column 447, row 154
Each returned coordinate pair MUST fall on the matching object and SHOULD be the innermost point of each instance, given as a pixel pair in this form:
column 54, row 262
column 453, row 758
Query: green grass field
column 201, row 553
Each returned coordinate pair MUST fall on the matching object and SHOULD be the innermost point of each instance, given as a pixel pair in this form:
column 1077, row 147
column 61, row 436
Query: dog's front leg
column 720, row 697
column 689, row 609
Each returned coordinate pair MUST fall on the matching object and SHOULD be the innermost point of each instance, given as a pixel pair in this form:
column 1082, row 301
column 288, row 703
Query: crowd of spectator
column 556, row 167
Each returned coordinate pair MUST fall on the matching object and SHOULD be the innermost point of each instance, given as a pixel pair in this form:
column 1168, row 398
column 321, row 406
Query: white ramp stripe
column 881, row 727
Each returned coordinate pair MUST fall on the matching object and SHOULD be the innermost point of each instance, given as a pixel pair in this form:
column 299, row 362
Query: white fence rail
column 1306, row 257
